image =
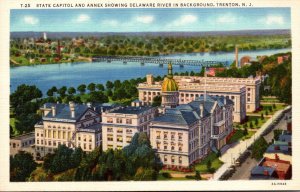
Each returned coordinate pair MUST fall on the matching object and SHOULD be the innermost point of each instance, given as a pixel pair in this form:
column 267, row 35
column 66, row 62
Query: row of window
column 111, row 146
column 59, row 127
column 151, row 93
column 173, row 145
column 119, row 120
column 173, row 159
column 119, row 130
column 165, row 134
column 110, row 137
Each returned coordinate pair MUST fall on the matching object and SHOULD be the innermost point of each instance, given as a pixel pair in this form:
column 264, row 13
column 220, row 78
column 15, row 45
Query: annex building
column 244, row 92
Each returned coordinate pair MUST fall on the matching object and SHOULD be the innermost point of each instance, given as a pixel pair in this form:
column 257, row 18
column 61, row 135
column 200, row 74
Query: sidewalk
column 233, row 153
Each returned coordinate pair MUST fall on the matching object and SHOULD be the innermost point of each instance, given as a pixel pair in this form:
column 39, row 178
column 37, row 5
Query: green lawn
column 216, row 163
column 240, row 136
column 259, row 120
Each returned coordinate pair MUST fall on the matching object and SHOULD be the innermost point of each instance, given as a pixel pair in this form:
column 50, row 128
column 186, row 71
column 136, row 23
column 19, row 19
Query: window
column 157, row 134
column 49, row 143
column 128, row 131
column 128, row 139
column 84, row 146
column 110, row 137
column 37, row 134
column 79, row 138
column 54, row 143
column 232, row 97
column 172, row 148
column 165, row 158
column 179, row 136
column 109, row 129
column 42, row 142
column 248, row 89
column 119, row 139
column 119, row 130
column 173, row 159
column 158, row 145
column 119, row 147
column 54, row 134
column 64, row 135
column 58, row 134
column 69, row 135
column 109, row 146
column 128, row 121
column 248, row 94
column 165, row 135
column 90, row 138
column 49, row 134
column 109, row 120
column 179, row 148
column 180, row 160
column 165, row 147
column 248, row 99
column 14, row 145
column 90, row 147
column 119, row 120
column 172, row 135
column 37, row 141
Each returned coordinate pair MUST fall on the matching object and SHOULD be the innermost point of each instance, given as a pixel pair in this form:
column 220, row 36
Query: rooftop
column 285, row 138
column 24, row 136
column 131, row 110
column 278, row 166
column 278, row 149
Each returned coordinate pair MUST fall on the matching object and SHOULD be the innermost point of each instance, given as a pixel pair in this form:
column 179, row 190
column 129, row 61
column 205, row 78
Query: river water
column 74, row 74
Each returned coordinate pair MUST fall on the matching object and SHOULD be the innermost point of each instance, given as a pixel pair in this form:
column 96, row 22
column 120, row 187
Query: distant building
column 23, row 142
column 45, row 36
column 74, row 125
column 211, row 71
column 246, row 60
column 283, row 58
column 185, row 134
column 120, row 124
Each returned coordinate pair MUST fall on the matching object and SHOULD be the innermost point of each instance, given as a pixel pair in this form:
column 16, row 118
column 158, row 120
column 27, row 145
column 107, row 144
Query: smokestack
column 201, row 109
column 72, row 109
column 236, row 56
column 53, row 111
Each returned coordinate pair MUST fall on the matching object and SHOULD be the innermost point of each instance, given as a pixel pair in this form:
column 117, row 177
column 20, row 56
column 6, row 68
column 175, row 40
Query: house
column 23, row 142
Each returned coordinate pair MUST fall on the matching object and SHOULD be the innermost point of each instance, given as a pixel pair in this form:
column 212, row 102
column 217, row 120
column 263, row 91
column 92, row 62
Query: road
column 233, row 153
column 243, row 172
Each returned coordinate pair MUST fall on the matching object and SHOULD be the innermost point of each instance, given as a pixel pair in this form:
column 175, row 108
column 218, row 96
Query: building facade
column 185, row 134
column 243, row 92
column 23, row 142
column 120, row 124
column 74, row 125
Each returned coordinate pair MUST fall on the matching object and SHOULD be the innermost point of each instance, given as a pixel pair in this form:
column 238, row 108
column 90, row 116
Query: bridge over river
column 157, row 60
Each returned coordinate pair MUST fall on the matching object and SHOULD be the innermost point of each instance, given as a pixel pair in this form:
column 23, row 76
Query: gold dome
column 169, row 84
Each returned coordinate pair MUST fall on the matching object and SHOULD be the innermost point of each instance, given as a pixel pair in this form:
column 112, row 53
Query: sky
column 149, row 20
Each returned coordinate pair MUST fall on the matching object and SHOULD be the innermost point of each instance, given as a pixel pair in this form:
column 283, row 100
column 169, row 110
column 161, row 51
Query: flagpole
column 205, row 75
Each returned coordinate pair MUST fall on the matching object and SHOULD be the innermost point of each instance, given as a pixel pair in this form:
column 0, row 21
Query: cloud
column 183, row 20
column 83, row 18
column 145, row 19
column 227, row 18
column 272, row 20
column 111, row 23
column 31, row 20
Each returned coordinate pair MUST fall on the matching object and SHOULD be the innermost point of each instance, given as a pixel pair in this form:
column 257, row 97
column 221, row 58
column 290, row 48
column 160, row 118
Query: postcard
column 149, row 95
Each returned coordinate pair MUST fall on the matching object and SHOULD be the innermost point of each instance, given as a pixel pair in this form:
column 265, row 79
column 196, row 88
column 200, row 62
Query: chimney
column 150, row 79
column 72, row 109
column 201, row 109
column 132, row 104
column 89, row 105
column 53, row 111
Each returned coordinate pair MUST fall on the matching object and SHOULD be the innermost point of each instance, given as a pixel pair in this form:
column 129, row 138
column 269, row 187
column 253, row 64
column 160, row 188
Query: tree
column 262, row 116
column 71, row 90
column 50, row 93
column 91, row 87
column 100, row 87
column 251, row 125
column 245, row 132
column 109, row 85
column 208, row 164
column 258, row 148
column 81, row 88
column 62, row 91
column 197, row 175
column 256, row 122
column 21, row 166
column 23, row 94
column 156, row 101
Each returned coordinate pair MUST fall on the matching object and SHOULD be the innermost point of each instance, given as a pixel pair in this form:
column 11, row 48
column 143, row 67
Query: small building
column 283, row 58
column 120, row 124
column 263, row 173
column 23, row 142
column 283, row 168
column 282, row 152
column 211, row 71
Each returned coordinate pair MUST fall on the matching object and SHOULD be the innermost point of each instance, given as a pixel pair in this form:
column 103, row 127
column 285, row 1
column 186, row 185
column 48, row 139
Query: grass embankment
column 216, row 163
